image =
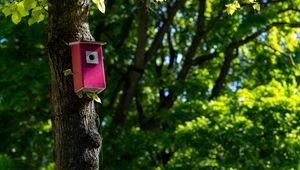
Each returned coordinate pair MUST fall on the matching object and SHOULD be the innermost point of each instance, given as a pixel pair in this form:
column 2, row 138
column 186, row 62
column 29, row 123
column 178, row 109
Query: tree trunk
column 77, row 142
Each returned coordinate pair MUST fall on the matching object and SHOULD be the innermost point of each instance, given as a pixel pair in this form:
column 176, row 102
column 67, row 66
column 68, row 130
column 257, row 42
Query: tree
column 182, row 76
column 75, row 122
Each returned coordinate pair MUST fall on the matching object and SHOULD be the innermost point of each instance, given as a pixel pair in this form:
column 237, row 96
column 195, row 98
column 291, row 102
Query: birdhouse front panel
column 88, row 67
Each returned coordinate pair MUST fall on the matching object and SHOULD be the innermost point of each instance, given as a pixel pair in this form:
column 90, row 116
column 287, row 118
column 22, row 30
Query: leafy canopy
column 248, row 53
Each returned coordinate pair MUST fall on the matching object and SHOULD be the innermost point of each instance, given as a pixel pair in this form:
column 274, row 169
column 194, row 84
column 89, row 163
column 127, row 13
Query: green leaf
column 89, row 95
column 37, row 16
column 10, row 9
column 236, row 4
column 31, row 21
column 7, row 11
column 231, row 8
column 20, row 7
column 96, row 98
column 16, row 18
column 37, row 9
column 79, row 94
column 256, row 6
column 29, row 4
column 100, row 4
column 67, row 72
column 40, row 18
column 93, row 96
column 250, row 1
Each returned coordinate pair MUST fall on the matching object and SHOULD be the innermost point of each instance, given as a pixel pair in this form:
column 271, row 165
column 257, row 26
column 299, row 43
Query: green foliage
column 6, row 163
column 25, row 126
column 253, row 124
column 251, row 129
column 231, row 8
column 36, row 9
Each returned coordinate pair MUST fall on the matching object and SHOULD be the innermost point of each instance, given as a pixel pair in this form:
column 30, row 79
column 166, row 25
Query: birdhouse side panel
column 77, row 68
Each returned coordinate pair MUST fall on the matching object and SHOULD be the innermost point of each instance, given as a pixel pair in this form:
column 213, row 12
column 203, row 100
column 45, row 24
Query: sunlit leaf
column 68, row 72
column 100, row 4
column 31, row 21
column 79, row 94
column 256, row 6
column 29, row 4
column 16, row 18
column 250, row 1
column 231, row 8
column 20, row 7
column 96, row 98
column 40, row 18
column 7, row 11
column 89, row 95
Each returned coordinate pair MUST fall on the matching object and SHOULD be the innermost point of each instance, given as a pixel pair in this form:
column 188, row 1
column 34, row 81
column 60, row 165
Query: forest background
column 206, row 84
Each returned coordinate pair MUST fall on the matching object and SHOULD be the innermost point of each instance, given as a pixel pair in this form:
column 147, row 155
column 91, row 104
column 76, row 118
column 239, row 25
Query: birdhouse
column 88, row 67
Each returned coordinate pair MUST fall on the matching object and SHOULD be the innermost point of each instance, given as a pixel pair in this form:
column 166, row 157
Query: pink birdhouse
column 88, row 67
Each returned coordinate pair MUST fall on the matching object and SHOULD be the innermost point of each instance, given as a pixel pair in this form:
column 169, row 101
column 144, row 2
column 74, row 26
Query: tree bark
column 75, row 122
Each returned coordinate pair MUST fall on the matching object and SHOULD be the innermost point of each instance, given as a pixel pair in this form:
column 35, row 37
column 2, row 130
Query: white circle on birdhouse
column 91, row 57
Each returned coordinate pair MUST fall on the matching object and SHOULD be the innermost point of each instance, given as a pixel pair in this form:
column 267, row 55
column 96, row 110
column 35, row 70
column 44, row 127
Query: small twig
column 282, row 53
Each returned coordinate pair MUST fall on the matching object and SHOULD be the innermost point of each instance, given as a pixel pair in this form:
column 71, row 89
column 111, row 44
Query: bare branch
column 256, row 34
column 169, row 100
column 223, row 73
column 166, row 25
column 228, row 59
column 172, row 51
column 282, row 53
column 200, row 32
column 125, row 31
column 141, row 57
column 206, row 57
column 135, row 72
column 140, row 111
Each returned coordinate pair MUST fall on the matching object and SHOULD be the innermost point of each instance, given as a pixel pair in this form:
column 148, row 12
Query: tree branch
column 172, row 51
column 282, row 53
column 200, row 32
column 136, row 71
column 228, row 59
column 125, row 32
column 224, row 71
column 169, row 100
column 206, row 57
column 114, row 93
column 140, row 111
column 166, row 25
column 134, row 74
column 253, row 36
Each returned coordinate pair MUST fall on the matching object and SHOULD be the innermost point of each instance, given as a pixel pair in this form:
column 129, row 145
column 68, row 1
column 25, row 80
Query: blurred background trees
column 188, row 86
